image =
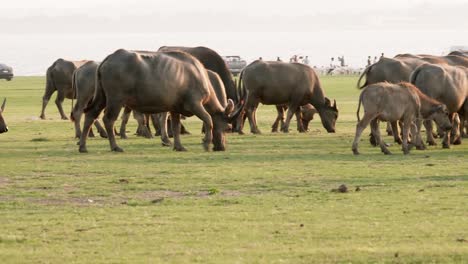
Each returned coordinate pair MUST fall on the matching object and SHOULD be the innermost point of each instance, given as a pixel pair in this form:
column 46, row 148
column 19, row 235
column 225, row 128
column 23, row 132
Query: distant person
column 382, row 55
column 375, row 59
column 305, row 60
column 278, row 59
column 260, row 58
column 369, row 61
column 332, row 66
column 342, row 61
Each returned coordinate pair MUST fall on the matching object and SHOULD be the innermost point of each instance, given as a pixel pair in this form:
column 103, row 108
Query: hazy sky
column 37, row 32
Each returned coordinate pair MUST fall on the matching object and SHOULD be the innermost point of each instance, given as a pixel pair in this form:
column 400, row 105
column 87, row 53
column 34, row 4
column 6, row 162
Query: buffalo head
column 328, row 114
column 221, row 123
column 440, row 115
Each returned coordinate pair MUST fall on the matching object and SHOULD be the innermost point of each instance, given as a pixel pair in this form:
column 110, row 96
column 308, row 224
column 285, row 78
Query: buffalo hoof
column 457, row 141
column 117, row 149
column 83, row 150
column 372, row 141
column 103, row 134
column 355, row 152
column 256, row 132
column 399, row 141
column 180, row 148
column 123, row 136
column 42, row 117
column 445, row 145
column 431, row 143
column 421, row 147
column 241, row 132
column 166, row 143
column 64, row 118
column 274, row 130
column 386, row 152
column 77, row 136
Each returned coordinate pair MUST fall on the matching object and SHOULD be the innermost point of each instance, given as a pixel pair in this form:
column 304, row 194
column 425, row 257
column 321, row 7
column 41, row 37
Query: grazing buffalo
column 59, row 78
column 3, row 125
column 397, row 102
column 211, row 60
column 291, row 84
column 83, row 85
column 156, row 82
column 304, row 115
column 447, row 84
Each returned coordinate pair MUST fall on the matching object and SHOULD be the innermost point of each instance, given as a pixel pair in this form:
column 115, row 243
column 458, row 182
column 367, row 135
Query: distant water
column 32, row 54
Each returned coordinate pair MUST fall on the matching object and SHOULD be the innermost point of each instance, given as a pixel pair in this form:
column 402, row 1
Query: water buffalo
column 280, row 83
column 211, row 60
column 3, row 125
column 447, row 84
column 59, row 78
column 397, row 102
column 83, row 86
column 399, row 69
column 304, row 115
column 156, row 82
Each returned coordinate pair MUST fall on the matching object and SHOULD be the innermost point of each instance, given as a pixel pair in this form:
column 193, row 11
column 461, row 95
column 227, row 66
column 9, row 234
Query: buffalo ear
column 334, row 104
column 327, row 102
column 3, row 105
column 229, row 107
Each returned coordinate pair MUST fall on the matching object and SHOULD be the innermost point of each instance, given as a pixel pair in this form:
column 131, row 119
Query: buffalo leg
column 417, row 139
column 142, row 129
column 300, row 126
column 90, row 117
column 390, row 131
column 430, row 137
column 45, row 99
column 292, row 108
column 162, row 121
column 123, row 125
column 201, row 113
column 378, row 138
column 361, row 125
column 111, row 114
column 251, row 112
column 100, row 129
column 406, row 131
column 76, row 117
column 176, row 131
column 455, row 132
column 58, row 102
column 279, row 118
column 396, row 134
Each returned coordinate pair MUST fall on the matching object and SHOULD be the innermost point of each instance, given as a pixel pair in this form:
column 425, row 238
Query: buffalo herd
column 167, row 85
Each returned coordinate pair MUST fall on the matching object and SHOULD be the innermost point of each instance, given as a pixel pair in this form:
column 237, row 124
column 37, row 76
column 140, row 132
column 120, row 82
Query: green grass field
column 267, row 199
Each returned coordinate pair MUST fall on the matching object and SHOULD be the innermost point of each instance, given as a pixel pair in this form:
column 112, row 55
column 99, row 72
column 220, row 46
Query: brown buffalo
column 304, row 115
column 59, row 78
column 156, row 82
column 3, row 125
column 291, row 84
column 397, row 102
column 447, row 84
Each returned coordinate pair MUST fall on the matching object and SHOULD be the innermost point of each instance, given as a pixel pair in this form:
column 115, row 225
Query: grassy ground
column 267, row 199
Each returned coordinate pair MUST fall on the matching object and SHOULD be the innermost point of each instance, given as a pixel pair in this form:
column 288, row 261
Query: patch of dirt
column 4, row 182
column 80, row 201
column 153, row 195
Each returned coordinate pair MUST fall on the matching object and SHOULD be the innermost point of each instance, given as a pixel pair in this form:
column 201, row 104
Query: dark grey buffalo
column 3, row 125
column 447, row 84
column 156, row 82
column 291, row 84
column 59, row 78
column 83, row 84
column 397, row 102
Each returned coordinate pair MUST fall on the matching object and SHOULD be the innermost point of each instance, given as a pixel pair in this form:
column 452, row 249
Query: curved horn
column 334, row 103
column 3, row 105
